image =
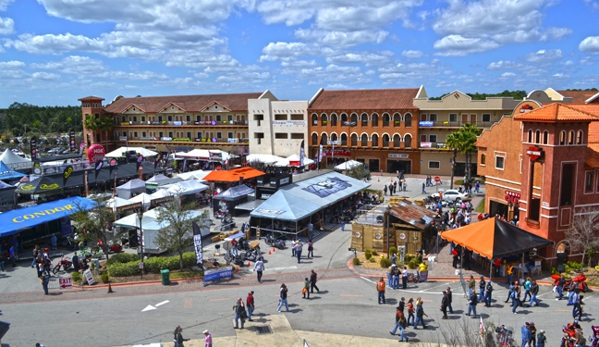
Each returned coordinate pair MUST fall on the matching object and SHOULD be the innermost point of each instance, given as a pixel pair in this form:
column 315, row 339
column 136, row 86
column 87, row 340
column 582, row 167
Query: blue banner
column 217, row 274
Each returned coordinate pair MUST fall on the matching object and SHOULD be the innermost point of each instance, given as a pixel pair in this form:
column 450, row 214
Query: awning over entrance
column 28, row 217
column 494, row 238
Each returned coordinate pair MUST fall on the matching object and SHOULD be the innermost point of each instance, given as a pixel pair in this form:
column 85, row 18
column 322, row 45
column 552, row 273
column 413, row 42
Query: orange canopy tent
column 233, row 175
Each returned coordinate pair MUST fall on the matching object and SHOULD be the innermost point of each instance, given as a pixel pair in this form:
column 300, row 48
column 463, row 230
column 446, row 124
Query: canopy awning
column 13, row 161
column 263, row 158
column 144, row 198
column 283, row 205
column 233, row 175
column 234, row 193
column 205, row 154
column 15, row 220
column 187, row 187
column 293, row 161
column 118, row 153
column 157, row 178
column 197, row 175
column 493, row 238
column 134, row 186
column 117, row 203
column 7, row 173
column 348, row 165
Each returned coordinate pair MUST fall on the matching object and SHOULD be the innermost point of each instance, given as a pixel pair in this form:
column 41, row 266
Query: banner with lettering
column 66, row 173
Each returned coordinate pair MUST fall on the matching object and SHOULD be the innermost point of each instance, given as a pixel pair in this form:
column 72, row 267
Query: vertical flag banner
column 140, row 158
column 112, row 164
column 302, row 154
column 81, row 147
column 66, row 173
column 184, row 164
column 99, row 165
column 33, row 146
column 197, row 242
column 72, row 141
column 320, row 154
column 157, row 160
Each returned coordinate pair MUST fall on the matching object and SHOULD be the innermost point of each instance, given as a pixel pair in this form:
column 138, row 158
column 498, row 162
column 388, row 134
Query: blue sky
column 53, row 52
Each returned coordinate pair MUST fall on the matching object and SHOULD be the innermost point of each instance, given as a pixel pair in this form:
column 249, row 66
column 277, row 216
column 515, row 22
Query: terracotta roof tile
column 592, row 160
column 557, row 112
column 367, row 99
column 189, row 103
column 578, row 96
column 594, row 132
column 412, row 213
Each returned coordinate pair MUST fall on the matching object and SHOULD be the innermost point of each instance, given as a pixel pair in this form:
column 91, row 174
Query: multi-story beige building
column 439, row 118
column 277, row 127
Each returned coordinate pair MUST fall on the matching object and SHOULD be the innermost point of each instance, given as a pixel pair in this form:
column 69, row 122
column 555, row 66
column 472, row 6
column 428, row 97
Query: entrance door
column 373, row 165
column 464, row 119
column 399, row 165
column 497, row 208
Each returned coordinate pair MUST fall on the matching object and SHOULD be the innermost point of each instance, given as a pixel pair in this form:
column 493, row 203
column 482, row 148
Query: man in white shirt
column 404, row 277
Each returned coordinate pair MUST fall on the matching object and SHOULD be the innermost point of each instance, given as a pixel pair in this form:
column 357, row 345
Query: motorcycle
column 595, row 338
column 580, row 281
column 227, row 223
column 252, row 254
column 66, row 242
column 230, row 258
column 274, row 242
column 504, row 336
column 65, row 264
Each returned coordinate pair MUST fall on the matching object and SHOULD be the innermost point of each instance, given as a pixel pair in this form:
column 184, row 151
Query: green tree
column 102, row 123
column 358, row 172
column 97, row 225
column 462, row 141
column 177, row 233
column 583, row 236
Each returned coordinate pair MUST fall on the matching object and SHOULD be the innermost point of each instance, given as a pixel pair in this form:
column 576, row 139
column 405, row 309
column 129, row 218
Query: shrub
column 412, row 264
column 367, row 254
column 408, row 257
column 372, row 260
column 76, row 276
column 374, row 252
column 123, row 269
column 356, row 261
column 385, row 262
column 104, row 278
column 122, row 258
column 392, row 250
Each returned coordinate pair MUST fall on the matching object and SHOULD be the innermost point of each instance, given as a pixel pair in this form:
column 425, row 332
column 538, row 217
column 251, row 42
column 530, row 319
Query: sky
column 53, row 52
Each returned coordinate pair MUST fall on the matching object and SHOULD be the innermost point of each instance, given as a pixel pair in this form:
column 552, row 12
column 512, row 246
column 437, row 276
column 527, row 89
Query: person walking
column 559, row 287
column 45, row 279
column 283, row 298
column 533, row 333
column 525, row 331
column 419, row 315
column 444, row 302
column 396, row 273
column 34, row 254
column 398, row 315
column 404, row 277
column 380, row 287
column 403, row 324
column 207, row 338
column 240, row 313
column 489, row 294
column 516, row 298
column 509, row 293
column 534, row 291
column 385, row 190
column 12, row 254
column 313, row 279
column 298, row 250
column 179, row 337
column 576, row 309
column 410, row 311
column 482, row 285
column 310, row 249
column 249, row 302
column 541, row 338
column 310, row 229
column 259, row 268
column 293, row 247
column 449, row 299
column 472, row 304
column 527, row 285
column 306, row 288
column 423, row 188
column 342, row 223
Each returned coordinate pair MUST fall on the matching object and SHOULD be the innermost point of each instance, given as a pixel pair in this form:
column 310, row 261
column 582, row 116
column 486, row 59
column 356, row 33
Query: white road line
column 368, row 279
column 162, row 303
column 282, row 268
column 445, row 285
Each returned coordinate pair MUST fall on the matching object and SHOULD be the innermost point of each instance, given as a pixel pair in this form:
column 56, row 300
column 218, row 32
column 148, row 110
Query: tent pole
column 491, row 272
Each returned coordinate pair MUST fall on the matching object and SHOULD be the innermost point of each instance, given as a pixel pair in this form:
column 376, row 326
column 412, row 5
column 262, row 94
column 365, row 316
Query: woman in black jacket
column 178, row 337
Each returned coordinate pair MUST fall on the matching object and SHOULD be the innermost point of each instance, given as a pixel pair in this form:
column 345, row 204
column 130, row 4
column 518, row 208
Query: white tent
column 144, row 198
column 187, row 187
column 117, row 202
column 203, row 154
column 348, row 165
column 13, row 161
column 197, row 175
column 117, row 153
column 126, row 190
column 160, row 193
column 293, row 158
column 263, row 158
column 157, row 178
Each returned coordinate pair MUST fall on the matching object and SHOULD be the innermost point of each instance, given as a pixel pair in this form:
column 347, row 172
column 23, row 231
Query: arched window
column 408, row 119
column 545, row 137
column 571, row 137
column 529, row 136
column 375, row 140
column 385, row 140
column 324, row 119
column 364, row 140
column 375, row 120
column 483, row 159
column 408, row 140
column 354, row 118
column 562, row 137
column 354, row 140
column 396, row 140
column 314, row 139
column 333, row 137
column 343, row 139
column 364, row 120
column 324, row 139
column 314, row 119
column 396, row 120
column 333, row 120
column 343, row 118
column 579, row 136
column 538, row 136
column 386, row 118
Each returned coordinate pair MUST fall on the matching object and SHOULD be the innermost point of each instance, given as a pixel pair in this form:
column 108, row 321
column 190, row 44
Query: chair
column 537, row 269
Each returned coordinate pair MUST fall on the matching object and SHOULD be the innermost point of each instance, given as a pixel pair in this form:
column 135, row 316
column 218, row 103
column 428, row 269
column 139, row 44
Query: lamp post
column 140, row 216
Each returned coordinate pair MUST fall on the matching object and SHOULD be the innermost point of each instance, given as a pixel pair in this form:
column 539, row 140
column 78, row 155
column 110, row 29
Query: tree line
column 21, row 118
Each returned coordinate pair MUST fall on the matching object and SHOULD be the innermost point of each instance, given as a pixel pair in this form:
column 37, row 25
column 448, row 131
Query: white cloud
column 45, row 76
column 412, row 54
column 589, row 45
column 503, row 65
column 456, row 45
column 543, row 56
column 285, row 50
column 368, row 58
column 340, row 39
column 11, row 65
column 508, row 75
column 7, row 26
column 73, row 65
column 561, row 75
column 568, row 63
column 4, row 4
column 55, row 44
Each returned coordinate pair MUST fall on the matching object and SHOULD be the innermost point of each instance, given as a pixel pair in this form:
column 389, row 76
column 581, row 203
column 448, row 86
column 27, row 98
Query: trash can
column 166, row 277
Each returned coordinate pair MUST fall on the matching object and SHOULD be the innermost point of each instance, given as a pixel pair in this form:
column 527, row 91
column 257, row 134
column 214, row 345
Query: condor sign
column 16, row 220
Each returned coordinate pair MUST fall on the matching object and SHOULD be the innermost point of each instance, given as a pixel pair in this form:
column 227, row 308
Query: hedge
column 122, row 258
column 151, row 265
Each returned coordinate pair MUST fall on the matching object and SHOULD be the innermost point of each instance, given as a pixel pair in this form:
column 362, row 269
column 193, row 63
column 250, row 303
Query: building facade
column 277, row 127
column 377, row 127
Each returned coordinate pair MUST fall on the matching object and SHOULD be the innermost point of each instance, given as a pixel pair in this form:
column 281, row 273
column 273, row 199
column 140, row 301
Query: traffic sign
column 65, row 282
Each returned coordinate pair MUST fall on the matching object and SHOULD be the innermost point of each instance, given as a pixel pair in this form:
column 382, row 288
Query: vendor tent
column 348, row 165
column 42, row 185
column 197, row 175
column 293, row 161
column 7, row 193
column 144, row 198
column 135, row 186
column 234, row 193
column 160, row 193
column 187, row 187
column 157, row 178
column 233, row 175
column 7, row 173
column 117, row 203
column 283, row 205
column 493, row 238
column 205, row 154
column 118, row 153
column 263, row 158
column 13, row 161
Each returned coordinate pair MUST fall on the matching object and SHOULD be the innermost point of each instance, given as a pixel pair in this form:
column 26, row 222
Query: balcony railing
column 186, row 139
column 186, row 123
column 445, row 123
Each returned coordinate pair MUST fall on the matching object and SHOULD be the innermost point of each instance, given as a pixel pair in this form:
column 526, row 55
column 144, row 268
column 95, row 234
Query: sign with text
column 426, row 123
column 89, row 277
column 217, row 274
column 65, row 282
column 397, row 155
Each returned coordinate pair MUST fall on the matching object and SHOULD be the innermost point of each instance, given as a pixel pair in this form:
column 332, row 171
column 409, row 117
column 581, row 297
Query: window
column 125, row 133
column 343, row 118
column 258, row 118
column 408, row 140
column 432, row 138
column 538, row 136
column 280, row 117
column 354, row 140
column 499, row 162
column 324, row 120
column 297, row 136
column 579, row 137
column 453, row 117
column 434, row 164
column 432, row 117
column 375, row 140
column 135, row 119
column 324, row 139
column 375, row 120
column 483, row 159
column 230, row 135
column 529, row 136
column 385, row 140
column 314, row 139
column 260, row 136
column 188, row 118
column 143, row 134
column 343, row 139
column 364, row 120
column 170, row 134
column 364, row 140
column 354, row 118
column 408, row 120
column 314, row 119
column 396, row 120
column 281, row 136
column 160, row 118
column 230, row 117
column 588, row 181
column 199, row 135
column 161, row 134
column 386, row 119
column 562, row 137
column 198, row 118
column 297, row 117
column 486, row 117
column 333, row 120
column 170, row 118
column 98, row 138
column 545, row 137
column 422, row 137
column 135, row 134
column 396, row 140
column 143, row 119
column 571, row 137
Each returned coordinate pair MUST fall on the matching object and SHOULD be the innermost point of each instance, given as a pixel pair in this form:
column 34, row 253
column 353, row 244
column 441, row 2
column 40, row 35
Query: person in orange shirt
column 380, row 287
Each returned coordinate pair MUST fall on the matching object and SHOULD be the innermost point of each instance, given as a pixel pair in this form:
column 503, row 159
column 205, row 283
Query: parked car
column 453, row 195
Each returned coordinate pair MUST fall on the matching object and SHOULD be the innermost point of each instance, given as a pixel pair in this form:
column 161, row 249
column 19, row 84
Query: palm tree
column 452, row 141
column 462, row 141
column 94, row 123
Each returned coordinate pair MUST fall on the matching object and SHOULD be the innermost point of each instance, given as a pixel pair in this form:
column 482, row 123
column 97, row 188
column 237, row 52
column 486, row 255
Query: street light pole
column 140, row 215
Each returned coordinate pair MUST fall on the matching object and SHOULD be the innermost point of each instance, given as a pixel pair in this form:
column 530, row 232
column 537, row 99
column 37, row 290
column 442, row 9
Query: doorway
column 399, row 166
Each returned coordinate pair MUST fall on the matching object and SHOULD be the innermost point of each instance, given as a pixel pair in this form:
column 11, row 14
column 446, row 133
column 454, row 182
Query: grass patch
column 186, row 274
column 481, row 207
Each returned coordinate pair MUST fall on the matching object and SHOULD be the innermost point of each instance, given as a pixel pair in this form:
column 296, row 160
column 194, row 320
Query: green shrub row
column 122, row 258
column 151, row 265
